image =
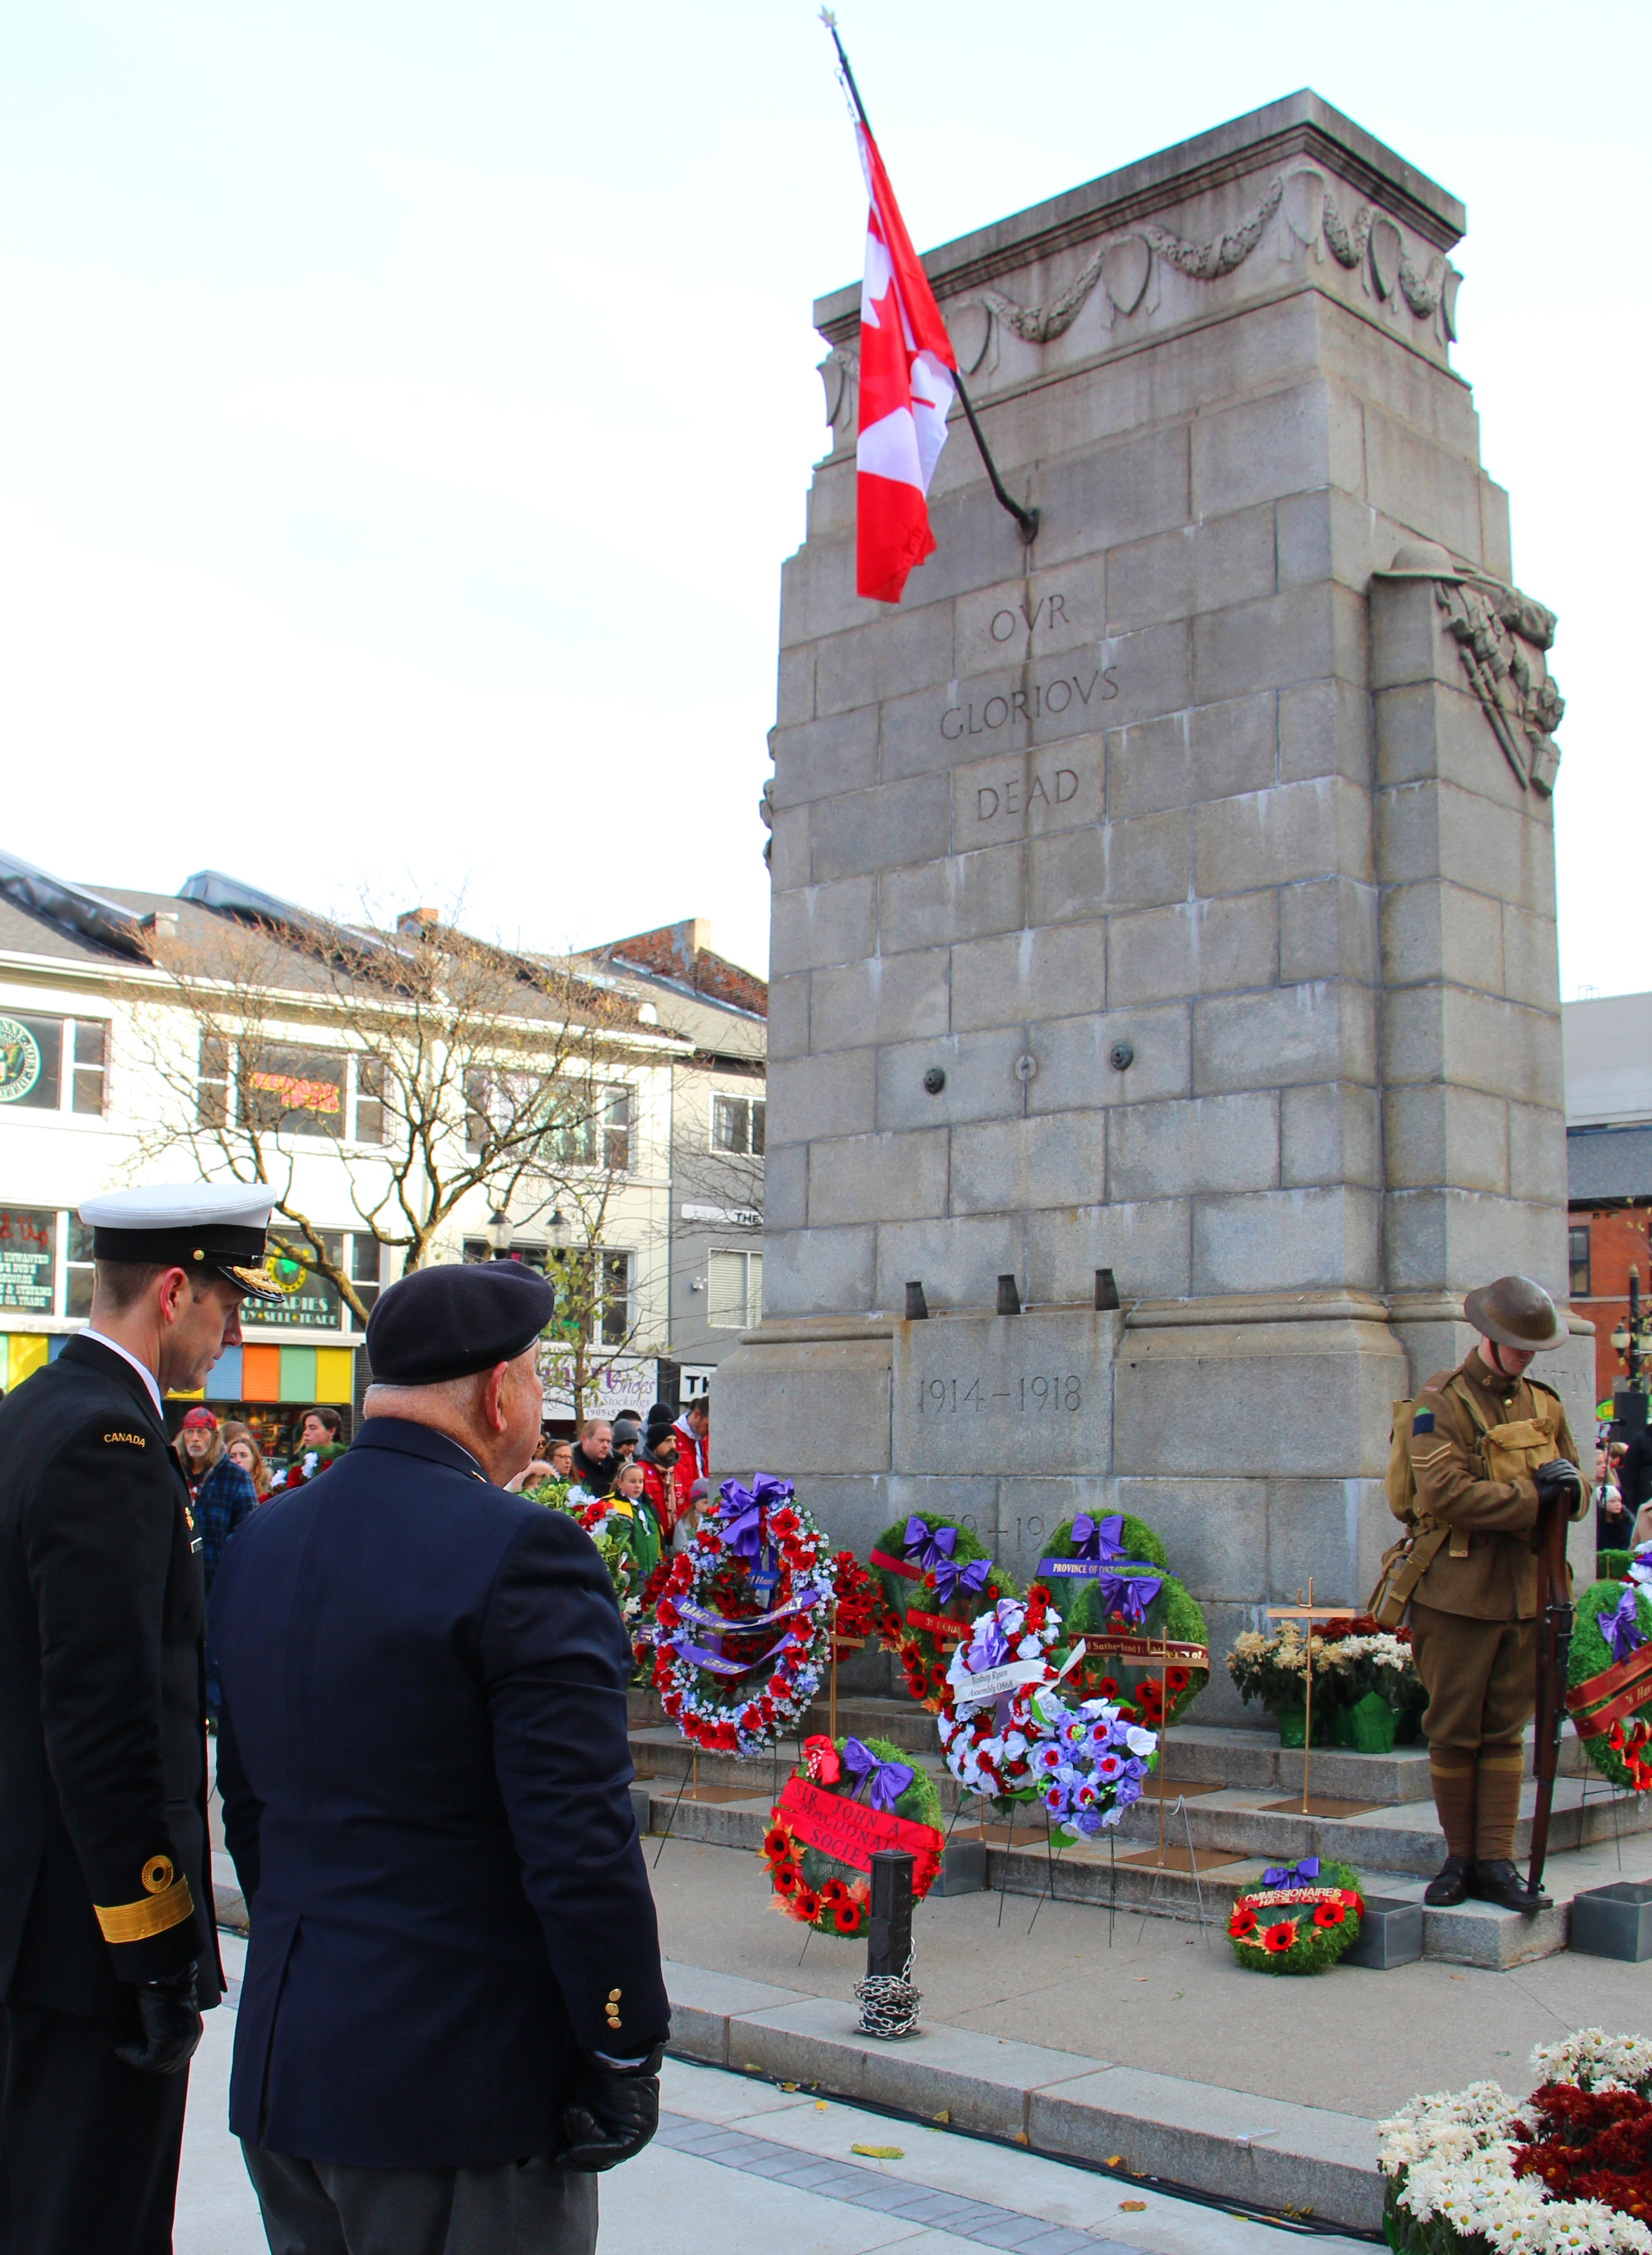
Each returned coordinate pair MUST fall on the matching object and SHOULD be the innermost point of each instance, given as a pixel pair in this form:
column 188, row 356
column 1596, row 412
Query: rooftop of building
column 661, row 983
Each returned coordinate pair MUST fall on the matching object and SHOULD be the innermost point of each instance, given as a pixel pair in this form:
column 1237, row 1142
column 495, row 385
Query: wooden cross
column 1308, row 1614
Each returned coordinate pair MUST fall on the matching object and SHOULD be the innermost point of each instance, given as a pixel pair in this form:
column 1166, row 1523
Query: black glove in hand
column 1559, row 1479
column 172, row 2024
column 614, row 2112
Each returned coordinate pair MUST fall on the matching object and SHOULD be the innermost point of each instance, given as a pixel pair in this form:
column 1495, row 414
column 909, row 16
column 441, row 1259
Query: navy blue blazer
column 425, row 1768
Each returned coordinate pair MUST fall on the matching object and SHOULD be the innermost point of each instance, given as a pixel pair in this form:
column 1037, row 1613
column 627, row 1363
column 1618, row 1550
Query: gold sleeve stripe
column 1432, row 1457
column 140, row 1921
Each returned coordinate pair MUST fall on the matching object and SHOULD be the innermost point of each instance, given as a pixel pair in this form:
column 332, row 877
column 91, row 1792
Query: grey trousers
column 320, row 2208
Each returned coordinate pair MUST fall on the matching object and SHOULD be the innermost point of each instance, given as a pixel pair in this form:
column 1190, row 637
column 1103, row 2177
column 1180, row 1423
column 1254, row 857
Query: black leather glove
column 613, row 2113
column 172, row 2024
column 1559, row 1479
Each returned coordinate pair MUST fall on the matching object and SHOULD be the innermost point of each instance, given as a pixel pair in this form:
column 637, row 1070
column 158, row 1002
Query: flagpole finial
column 828, row 19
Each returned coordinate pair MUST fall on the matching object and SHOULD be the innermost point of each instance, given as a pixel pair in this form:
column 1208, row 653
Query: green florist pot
column 1368, row 1727
column 1290, row 1720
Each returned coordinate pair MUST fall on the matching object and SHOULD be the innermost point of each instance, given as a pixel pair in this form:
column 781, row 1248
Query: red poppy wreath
column 848, row 1798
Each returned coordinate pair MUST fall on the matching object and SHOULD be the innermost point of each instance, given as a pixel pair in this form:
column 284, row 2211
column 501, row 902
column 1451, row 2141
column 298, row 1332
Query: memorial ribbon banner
column 849, row 1830
column 943, row 1631
column 1145, row 1648
column 992, row 1684
column 702, row 1616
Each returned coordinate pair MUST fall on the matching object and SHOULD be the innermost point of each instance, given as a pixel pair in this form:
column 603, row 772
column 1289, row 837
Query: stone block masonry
column 1175, row 895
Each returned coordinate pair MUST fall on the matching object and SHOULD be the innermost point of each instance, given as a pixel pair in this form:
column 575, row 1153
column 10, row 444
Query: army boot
column 1450, row 1884
column 1499, row 1882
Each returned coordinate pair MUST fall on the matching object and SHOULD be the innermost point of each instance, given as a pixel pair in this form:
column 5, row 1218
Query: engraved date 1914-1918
column 942, row 1396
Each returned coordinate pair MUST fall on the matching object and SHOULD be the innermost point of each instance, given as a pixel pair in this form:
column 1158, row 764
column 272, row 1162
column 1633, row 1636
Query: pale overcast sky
column 404, row 410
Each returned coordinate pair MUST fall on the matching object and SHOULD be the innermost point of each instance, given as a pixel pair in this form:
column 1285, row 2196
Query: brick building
column 1608, row 1069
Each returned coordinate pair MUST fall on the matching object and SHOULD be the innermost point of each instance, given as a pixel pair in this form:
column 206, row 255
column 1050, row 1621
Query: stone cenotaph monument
column 1172, row 896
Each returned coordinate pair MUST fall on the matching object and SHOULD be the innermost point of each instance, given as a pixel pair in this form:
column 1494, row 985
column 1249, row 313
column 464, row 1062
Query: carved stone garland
column 1123, row 266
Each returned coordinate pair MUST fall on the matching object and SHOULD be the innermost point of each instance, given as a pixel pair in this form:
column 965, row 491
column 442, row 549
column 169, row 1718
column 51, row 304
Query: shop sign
column 28, row 1248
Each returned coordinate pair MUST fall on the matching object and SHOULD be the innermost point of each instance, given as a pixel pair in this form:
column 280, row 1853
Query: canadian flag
column 905, row 394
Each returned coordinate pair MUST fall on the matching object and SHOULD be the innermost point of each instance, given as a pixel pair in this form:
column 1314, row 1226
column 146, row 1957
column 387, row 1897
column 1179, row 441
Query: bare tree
column 438, row 1064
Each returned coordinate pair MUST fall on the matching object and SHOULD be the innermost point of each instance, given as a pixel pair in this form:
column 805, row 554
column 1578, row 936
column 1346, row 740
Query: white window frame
column 745, row 1254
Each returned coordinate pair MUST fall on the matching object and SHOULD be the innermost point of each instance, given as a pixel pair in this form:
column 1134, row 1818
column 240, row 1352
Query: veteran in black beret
column 108, row 1948
column 453, row 2012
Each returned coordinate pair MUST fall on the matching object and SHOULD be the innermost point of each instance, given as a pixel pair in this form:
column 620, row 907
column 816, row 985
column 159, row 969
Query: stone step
column 1251, row 1762
column 1472, row 1934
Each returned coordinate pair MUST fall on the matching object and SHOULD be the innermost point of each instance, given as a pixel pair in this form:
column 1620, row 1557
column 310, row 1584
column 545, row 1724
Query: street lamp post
column 497, row 1231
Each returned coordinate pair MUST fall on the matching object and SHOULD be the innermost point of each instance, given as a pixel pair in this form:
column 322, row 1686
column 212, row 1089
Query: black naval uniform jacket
column 422, row 1750
column 105, row 1866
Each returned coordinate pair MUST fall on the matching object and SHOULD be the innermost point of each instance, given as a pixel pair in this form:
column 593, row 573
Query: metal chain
column 888, row 2002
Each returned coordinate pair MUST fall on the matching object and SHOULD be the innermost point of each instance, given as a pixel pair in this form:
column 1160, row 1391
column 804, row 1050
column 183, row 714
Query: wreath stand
column 1187, row 1860
column 838, row 1644
column 1321, row 1804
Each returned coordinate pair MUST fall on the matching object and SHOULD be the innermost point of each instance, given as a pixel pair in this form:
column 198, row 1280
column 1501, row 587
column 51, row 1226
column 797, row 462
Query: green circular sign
column 19, row 1060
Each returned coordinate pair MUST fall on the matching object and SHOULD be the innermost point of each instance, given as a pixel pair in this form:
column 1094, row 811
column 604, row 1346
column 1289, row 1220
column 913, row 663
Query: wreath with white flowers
column 1089, row 1762
column 742, row 1630
column 990, row 1728
column 847, row 1798
column 934, row 1577
column 1563, row 2170
column 1298, row 1918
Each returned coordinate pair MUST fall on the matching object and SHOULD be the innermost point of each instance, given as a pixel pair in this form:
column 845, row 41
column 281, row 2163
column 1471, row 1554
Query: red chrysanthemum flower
column 1329, row 1913
column 1280, row 1938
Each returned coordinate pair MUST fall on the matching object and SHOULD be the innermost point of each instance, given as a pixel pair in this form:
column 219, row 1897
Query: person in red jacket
column 658, row 1457
column 693, row 1430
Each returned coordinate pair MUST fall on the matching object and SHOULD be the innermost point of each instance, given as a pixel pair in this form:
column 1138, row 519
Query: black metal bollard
column 888, row 2002
column 889, row 1930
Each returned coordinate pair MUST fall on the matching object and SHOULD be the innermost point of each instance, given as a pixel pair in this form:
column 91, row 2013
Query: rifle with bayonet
column 1558, row 1485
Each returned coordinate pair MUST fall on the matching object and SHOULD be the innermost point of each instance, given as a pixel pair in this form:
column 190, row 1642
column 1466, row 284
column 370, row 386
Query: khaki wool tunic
column 1488, row 1569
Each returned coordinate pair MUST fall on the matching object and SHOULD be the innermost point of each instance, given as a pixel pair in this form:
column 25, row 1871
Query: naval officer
column 453, row 2012
column 108, row 1952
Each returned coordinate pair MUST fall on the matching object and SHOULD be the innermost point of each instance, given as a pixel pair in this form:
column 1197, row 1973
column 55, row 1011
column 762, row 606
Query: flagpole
column 1026, row 519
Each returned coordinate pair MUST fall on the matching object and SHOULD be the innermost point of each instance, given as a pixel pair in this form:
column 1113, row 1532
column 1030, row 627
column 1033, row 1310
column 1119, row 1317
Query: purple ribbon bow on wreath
column 926, row 1551
column 740, row 1511
column 933, row 1555
column 1292, row 1875
column 1100, row 1539
column 1129, row 1594
column 881, row 1783
column 990, row 1649
column 969, row 1575
column 1622, row 1629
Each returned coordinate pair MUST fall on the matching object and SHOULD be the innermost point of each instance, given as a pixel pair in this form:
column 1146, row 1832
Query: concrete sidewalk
column 1155, row 2044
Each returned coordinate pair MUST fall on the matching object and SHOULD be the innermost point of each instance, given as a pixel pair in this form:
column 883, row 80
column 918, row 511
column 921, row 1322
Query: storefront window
column 308, row 1298
column 28, row 1259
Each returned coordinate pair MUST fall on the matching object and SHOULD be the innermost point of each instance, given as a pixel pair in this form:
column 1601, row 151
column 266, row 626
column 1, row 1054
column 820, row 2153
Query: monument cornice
column 1300, row 126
